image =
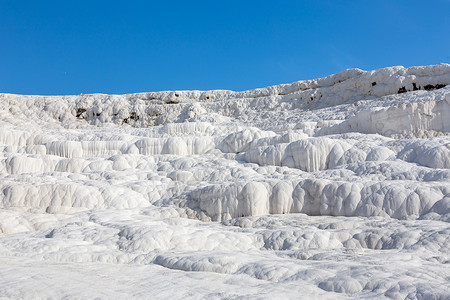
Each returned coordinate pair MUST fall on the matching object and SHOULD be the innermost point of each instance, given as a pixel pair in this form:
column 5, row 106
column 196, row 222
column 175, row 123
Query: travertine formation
column 339, row 184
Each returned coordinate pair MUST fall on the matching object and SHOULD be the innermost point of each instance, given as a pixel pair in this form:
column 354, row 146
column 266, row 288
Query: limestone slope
column 325, row 186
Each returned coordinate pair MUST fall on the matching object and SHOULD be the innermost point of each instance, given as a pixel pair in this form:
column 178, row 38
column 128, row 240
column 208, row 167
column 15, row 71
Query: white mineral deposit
column 332, row 188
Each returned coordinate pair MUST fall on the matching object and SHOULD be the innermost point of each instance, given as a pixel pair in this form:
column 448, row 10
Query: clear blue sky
column 72, row 47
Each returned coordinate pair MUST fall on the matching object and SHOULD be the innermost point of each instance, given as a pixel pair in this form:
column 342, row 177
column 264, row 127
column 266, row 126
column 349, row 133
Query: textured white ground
column 322, row 189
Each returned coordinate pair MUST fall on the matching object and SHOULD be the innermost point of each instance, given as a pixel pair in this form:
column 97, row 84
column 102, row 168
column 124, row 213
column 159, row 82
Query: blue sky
column 116, row 47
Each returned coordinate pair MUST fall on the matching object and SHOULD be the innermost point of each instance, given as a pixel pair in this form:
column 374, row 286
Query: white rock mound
column 332, row 188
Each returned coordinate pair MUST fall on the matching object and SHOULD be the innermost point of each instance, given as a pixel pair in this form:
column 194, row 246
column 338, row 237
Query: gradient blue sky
column 116, row 47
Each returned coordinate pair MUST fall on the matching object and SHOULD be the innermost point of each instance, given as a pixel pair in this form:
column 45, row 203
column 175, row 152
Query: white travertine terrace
column 330, row 188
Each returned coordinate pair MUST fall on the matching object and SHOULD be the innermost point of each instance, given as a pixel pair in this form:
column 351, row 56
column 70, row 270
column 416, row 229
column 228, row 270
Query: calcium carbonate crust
column 326, row 188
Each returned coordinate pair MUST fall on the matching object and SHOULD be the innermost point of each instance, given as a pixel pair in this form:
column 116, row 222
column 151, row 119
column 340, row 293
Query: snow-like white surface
column 331, row 188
